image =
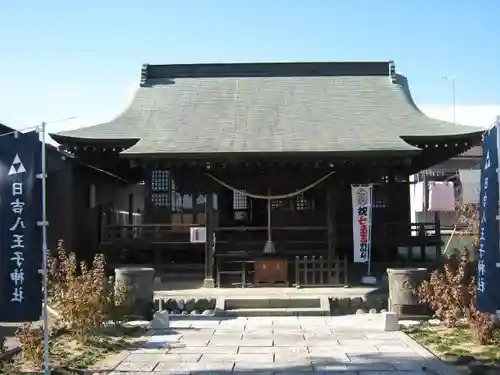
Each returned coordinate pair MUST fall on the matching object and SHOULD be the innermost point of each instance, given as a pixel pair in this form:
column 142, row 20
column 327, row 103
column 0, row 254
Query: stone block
column 390, row 322
column 255, row 367
column 196, row 341
column 357, row 302
column 180, row 358
column 344, row 304
column 161, row 320
column 255, row 358
column 373, row 368
column 256, row 342
column 189, row 304
column 256, row 350
column 291, row 337
column 192, row 368
column 136, row 366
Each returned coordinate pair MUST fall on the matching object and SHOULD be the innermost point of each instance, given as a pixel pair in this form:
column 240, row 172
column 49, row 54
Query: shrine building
column 263, row 157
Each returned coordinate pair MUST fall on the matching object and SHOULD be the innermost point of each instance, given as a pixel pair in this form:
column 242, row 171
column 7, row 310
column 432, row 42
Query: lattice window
column 160, row 179
column 277, row 203
column 240, row 215
column 240, row 201
column 240, row 206
column 301, row 203
column 161, row 199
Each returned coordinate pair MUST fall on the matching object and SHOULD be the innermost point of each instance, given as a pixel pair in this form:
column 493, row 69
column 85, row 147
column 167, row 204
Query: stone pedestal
column 208, row 283
column 161, row 320
column 390, row 322
column 403, row 284
column 139, row 285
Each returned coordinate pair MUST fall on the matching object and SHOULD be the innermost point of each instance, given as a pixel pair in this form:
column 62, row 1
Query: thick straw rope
column 271, row 197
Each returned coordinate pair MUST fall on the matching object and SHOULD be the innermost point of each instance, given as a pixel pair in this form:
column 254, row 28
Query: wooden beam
column 332, row 200
column 209, row 243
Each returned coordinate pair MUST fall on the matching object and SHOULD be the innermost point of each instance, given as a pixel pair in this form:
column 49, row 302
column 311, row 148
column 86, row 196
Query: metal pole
column 497, row 126
column 44, row 256
column 269, row 216
column 452, row 79
column 370, row 232
column 454, row 101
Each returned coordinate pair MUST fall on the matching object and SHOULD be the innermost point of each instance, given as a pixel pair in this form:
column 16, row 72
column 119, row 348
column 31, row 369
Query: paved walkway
column 286, row 345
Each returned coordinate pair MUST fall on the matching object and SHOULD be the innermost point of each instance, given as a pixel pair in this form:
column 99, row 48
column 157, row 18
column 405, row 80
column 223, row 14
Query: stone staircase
column 259, row 306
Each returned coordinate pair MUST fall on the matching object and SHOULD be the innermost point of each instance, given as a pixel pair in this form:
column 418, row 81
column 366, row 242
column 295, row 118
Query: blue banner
column 20, row 241
column 488, row 292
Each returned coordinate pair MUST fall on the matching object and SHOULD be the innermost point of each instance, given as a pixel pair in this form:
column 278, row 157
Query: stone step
column 273, row 312
column 261, row 306
column 272, row 303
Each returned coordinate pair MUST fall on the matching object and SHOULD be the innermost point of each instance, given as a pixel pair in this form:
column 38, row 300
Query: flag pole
column 44, row 224
column 370, row 232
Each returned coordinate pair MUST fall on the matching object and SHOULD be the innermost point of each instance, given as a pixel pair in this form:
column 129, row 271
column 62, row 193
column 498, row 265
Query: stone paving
column 352, row 345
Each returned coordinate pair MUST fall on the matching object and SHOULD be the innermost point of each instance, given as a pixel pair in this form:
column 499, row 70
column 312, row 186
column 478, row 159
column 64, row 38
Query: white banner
column 362, row 221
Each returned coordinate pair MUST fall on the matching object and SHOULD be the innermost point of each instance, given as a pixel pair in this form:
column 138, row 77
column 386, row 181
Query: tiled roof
column 270, row 107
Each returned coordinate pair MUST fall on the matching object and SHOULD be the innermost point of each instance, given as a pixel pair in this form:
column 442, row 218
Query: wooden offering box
column 271, row 272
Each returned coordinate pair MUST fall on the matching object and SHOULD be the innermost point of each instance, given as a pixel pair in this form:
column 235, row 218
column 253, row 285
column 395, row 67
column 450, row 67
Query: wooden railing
column 179, row 233
column 320, row 271
column 161, row 233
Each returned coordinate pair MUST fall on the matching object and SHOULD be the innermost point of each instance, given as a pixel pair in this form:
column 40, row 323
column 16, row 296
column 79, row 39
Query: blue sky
column 62, row 59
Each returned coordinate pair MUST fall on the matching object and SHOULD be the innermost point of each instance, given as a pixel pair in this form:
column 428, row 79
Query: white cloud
column 474, row 115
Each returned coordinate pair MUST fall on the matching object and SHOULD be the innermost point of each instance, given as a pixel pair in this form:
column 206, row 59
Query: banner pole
column 44, row 255
column 497, row 125
column 497, row 263
column 370, row 232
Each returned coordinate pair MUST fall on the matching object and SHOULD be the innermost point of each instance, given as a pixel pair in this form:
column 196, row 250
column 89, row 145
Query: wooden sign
column 198, row 234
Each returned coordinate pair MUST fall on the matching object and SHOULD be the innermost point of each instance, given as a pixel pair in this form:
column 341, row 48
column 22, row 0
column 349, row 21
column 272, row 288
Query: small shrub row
column 82, row 296
column 451, row 294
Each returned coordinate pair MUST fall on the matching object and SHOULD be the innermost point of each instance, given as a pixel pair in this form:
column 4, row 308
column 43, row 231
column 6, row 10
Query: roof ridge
column 266, row 69
column 144, row 74
column 392, row 71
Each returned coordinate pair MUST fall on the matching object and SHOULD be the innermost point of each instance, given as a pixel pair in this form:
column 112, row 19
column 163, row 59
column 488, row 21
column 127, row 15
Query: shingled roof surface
column 270, row 107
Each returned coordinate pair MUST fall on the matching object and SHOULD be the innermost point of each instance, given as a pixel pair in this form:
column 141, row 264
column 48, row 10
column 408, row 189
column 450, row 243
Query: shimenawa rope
column 271, row 197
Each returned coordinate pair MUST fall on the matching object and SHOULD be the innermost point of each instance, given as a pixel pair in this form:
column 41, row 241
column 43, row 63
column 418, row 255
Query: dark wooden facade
column 79, row 198
column 314, row 227
column 268, row 130
column 71, row 214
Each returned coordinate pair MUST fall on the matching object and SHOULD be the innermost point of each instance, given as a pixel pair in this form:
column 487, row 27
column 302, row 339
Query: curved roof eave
column 61, row 138
column 459, row 130
column 474, row 136
column 148, row 147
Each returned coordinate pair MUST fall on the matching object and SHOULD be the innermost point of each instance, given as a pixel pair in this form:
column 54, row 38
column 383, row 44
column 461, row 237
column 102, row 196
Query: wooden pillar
column 331, row 199
column 439, row 247
column 131, row 209
column 209, row 244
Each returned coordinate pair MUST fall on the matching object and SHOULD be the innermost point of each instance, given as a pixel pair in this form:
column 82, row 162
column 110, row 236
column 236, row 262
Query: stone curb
column 9, row 353
column 434, row 363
